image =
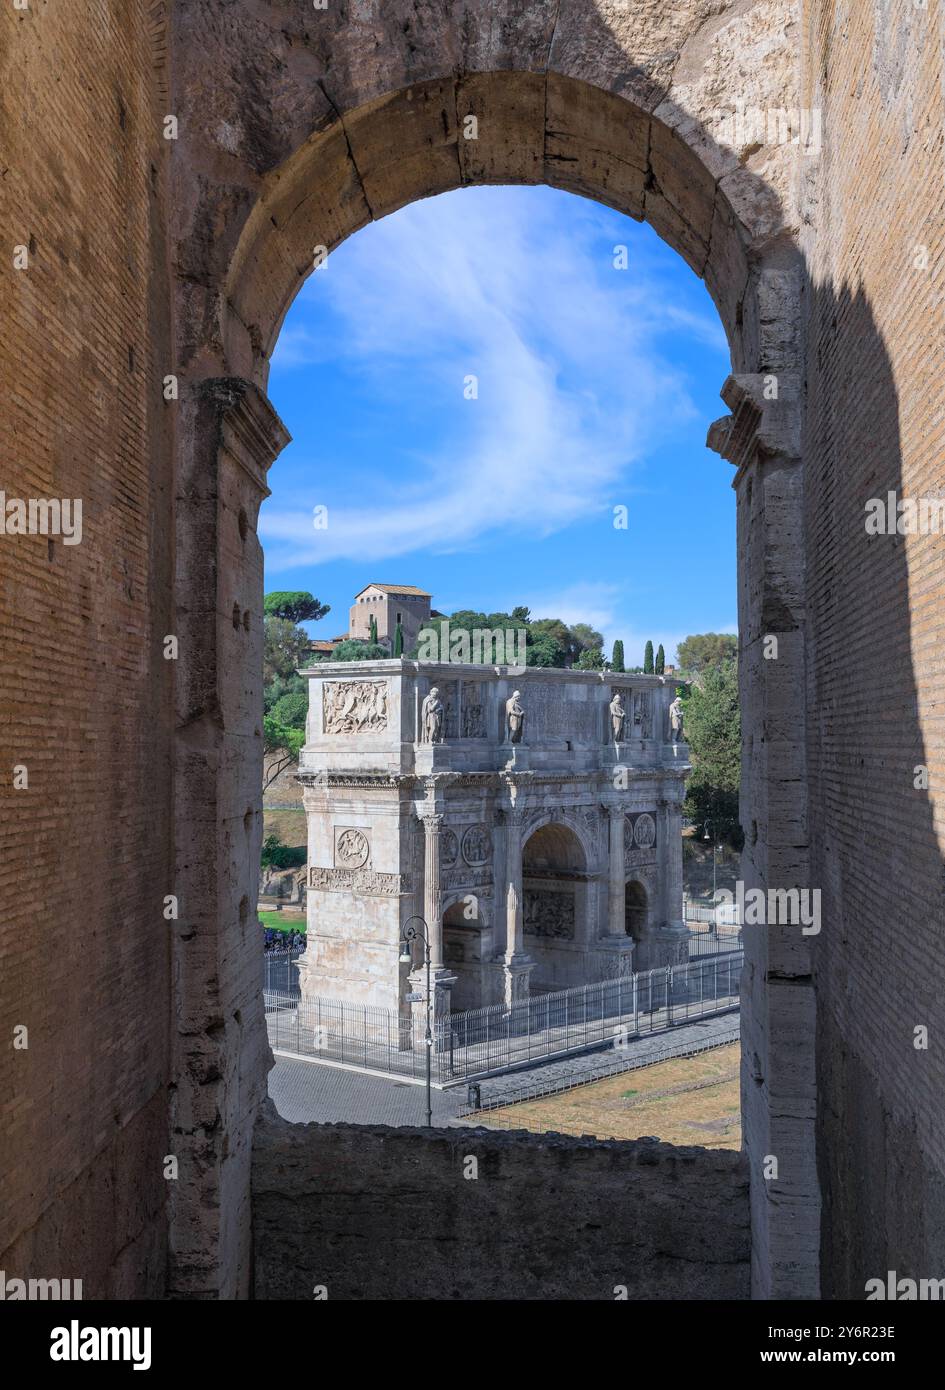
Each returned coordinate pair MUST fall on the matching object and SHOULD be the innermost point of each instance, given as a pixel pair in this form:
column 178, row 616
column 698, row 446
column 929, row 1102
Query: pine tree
column 398, row 640
column 660, row 660
column 648, row 659
column 617, row 663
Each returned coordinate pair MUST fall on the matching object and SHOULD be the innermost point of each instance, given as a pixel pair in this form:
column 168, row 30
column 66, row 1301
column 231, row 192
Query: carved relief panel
column 352, row 847
column 548, row 914
column 639, row 839
column 354, row 707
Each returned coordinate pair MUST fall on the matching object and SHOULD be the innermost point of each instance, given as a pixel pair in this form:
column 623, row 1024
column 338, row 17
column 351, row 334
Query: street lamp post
column 710, row 826
column 410, row 934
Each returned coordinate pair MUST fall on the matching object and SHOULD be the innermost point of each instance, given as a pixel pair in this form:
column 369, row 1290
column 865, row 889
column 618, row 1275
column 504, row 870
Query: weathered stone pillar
column 432, row 909
column 762, row 439
column 612, row 956
column 616, row 875
column 228, row 435
column 514, row 925
column 670, row 827
column 516, row 965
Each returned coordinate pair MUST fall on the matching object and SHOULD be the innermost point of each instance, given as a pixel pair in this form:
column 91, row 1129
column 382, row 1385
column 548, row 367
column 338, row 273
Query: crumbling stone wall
column 85, row 696
column 377, row 1214
column 876, row 423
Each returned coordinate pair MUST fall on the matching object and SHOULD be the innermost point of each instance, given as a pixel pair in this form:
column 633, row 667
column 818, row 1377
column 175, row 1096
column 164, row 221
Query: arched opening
column 392, row 148
column 467, row 949
column 555, row 908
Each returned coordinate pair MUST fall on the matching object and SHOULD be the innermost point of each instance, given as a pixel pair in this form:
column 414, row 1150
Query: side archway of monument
column 336, row 121
column 468, row 948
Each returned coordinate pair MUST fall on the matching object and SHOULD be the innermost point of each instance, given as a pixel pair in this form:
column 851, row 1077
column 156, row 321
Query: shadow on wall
column 880, row 957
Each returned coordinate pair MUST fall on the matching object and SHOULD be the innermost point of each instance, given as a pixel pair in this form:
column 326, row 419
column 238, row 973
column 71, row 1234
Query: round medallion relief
column 644, row 831
column 449, row 849
column 477, row 844
column 352, row 849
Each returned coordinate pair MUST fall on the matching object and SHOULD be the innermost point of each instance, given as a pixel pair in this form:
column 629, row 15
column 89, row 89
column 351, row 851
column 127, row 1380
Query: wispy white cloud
column 573, row 389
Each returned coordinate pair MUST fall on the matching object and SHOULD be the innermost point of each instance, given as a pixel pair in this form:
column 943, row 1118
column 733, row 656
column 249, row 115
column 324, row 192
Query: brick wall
column 85, row 697
column 876, row 422
column 377, row 1214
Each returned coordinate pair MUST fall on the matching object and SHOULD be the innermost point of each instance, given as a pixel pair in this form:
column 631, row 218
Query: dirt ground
column 689, row 1100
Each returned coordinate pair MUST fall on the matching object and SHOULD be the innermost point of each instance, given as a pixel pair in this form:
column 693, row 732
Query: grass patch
column 688, row 1100
column 283, row 921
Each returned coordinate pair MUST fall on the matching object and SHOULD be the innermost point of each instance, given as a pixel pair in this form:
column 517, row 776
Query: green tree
column 279, row 855
column 705, row 649
column 648, row 659
column 544, row 650
column 279, row 686
column 712, row 724
column 521, row 616
column 373, row 629
column 353, row 649
column 398, row 640
column 591, row 659
column 295, row 606
column 290, row 711
column 286, row 647
column 660, row 660
column 617, row 661
column 583, row 636
column 281, row 747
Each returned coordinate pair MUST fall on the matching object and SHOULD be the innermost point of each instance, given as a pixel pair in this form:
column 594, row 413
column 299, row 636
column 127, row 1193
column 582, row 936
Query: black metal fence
column 481, row 1042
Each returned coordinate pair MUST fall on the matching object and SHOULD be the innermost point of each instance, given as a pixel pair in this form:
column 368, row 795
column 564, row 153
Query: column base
column 510, row 982
column 441, row 983
column 661, row 946
column 517, row 756
column 615, row 958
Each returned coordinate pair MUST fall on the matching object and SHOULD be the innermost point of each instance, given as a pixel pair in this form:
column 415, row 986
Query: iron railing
column 714, row 942
column 482, row 1042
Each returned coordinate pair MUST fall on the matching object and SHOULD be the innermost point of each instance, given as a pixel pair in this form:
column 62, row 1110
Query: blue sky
column 595, row 389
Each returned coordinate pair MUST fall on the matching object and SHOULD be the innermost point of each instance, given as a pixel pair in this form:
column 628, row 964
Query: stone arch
column 557, row 905
column 409, row 144
column 568, row 821
column 467, row 951
column 309, row 126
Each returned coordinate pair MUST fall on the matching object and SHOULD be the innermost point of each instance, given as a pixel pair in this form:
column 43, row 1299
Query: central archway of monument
column 557, row 906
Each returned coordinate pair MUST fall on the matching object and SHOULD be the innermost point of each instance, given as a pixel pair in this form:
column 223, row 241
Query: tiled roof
column 395, row 589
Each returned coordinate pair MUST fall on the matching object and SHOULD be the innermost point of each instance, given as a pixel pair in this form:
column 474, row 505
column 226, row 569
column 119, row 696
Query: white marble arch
column 593, row 847
column 468, row 949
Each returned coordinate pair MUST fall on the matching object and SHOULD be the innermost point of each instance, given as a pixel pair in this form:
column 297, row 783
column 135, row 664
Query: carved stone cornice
column 250, row 430
column 757, row 424
column 354, row 778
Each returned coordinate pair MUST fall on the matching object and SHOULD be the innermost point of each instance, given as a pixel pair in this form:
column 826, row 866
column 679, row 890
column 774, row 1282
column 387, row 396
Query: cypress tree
column 398, row 640
column 617, row 663
column 648, row 660
column 373, row 630
column 660, row 660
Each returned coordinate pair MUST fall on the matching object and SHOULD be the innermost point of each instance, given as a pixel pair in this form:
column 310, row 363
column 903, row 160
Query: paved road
column 304, row 1090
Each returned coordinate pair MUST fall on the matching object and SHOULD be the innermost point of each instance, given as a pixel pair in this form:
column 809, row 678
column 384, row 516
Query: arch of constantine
column 540, row 863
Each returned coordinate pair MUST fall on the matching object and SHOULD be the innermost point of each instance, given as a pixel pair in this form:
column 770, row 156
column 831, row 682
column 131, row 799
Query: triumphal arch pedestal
column 532, row 819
